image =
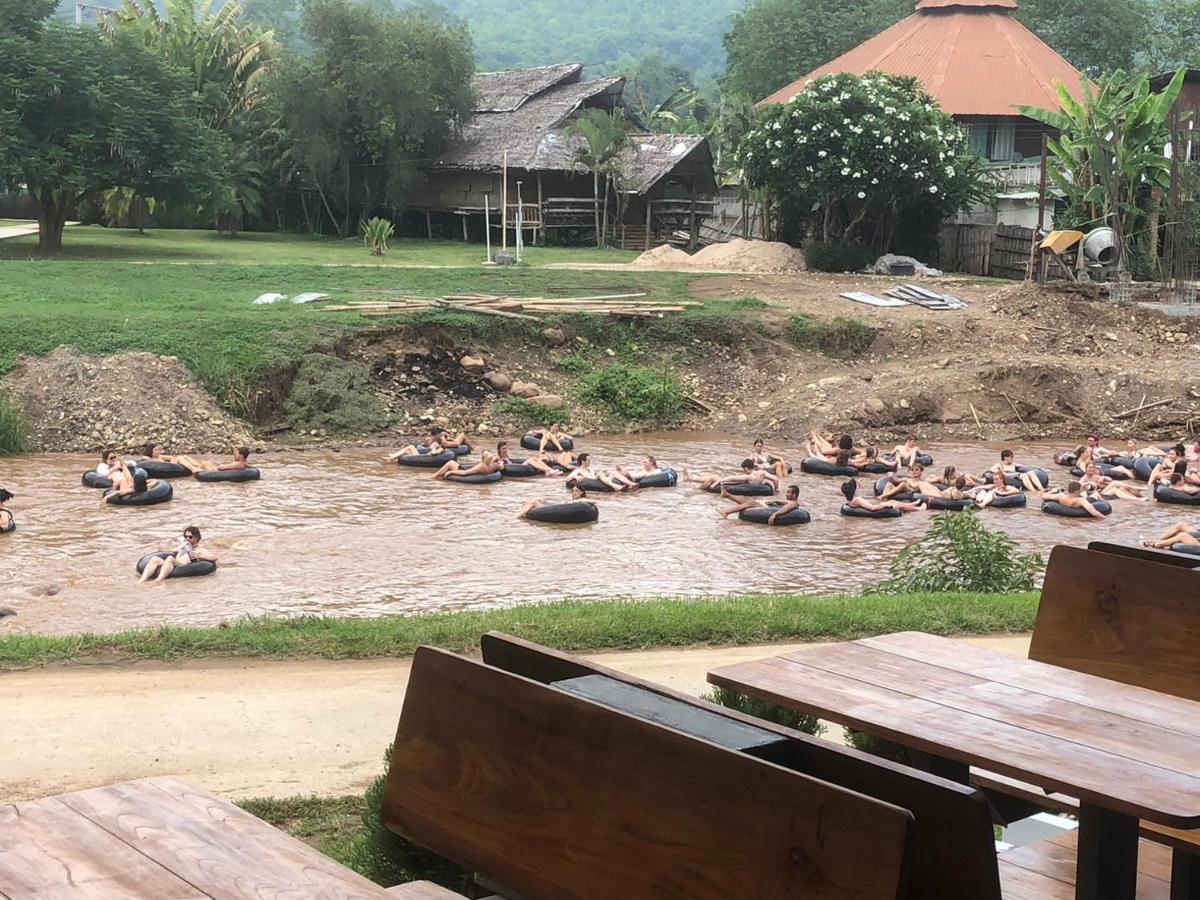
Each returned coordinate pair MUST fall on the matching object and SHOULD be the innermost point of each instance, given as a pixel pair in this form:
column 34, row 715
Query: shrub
column 635, row 393
column 14, row 430
column 959, row 553
column 526, row 412
column 761, row 709
column 577, row 363
column 841, row 336
column 376, row 234
column 835, row 257
column 332, row 394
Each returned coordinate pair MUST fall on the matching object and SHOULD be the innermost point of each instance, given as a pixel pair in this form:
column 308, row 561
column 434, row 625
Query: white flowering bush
column 852, row 152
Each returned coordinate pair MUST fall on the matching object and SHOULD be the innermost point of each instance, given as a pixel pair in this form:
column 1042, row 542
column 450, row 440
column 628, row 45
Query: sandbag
column 1055, row 508
column 814, row 465
column 945, row 504
column 665, row 478
column 565, row 513
column 1164, row 494
column 426, row 460
column 745, row 489
column 160, row 468
column 231, row 475
column 197, row 567
column 760, row 514
column 533, row 441
column 477, row 478
column 857, row 512
column 92, row 480
column 160, row 493
column 1008, row 501
column 1144, row 467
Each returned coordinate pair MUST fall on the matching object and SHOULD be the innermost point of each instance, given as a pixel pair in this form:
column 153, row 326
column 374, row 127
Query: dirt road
column 246, row 728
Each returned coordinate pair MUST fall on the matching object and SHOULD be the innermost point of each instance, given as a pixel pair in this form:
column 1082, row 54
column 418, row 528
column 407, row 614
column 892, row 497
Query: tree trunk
column 604, row 218
column 344, row 231
column 52, row 216
column 596, row 201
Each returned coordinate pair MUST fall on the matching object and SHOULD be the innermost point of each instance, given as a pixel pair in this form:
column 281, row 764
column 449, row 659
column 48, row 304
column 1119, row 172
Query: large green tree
column 82, row 114
column 1094, row 35
column 383, row 92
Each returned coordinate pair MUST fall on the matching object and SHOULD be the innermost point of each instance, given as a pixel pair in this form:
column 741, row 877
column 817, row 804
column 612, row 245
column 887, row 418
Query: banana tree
column 604, row 136
column 1109, row 155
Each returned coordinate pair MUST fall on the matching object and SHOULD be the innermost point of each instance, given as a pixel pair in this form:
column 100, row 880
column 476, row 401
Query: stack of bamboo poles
column 629, row 306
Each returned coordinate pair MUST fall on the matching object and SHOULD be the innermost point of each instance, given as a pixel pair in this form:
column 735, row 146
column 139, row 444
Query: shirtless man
column 1073, row 497
column 780, row 508
column 750, row 475
column 906, row 454
column 915, row 483
column 1008, row 466
column 585, row 469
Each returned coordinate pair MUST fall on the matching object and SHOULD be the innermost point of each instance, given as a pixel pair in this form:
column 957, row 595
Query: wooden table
column 160, row 838
column 1125, row 752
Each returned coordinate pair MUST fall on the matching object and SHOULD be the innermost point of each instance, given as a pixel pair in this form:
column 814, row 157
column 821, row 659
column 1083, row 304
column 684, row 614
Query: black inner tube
column 160, row 468
column 814, row 465
column 1008, row 501
column 197, row 567
column 745, row 489
column 565, row 513
column 589, row 484
column 477, row 478
column 1164, row 494
column 533, row 441
column 857, row 512
column 1055, row 508
column 426, row 460
column 160, row 493
column 761, row 514
column 945, row 504
column 665, row 478
column 229, row 475
column 518, row 468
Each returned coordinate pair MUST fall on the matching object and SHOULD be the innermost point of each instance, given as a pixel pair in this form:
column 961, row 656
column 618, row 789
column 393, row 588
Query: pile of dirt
column 77, row 403
column 737, row 255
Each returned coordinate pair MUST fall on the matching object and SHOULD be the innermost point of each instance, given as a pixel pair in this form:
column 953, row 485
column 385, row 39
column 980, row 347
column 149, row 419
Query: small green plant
column 577, row 363
column 842, row 337
column 376, row 234
column 14, row 429
column 959, row 553
column 635, row 393
column 334, row 395
column 761, row 709
column 526, row 412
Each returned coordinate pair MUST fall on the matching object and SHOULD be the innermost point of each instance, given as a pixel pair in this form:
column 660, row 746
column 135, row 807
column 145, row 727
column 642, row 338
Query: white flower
column 778, row 144
column 933, row 189
column 887, row 139
column 835, row 133
column 904, row 167
column 861, row 195
column 874, row 181
column 950, row 171
column 775, row 162
column 808, row 168
column 846, row 171
column 856, row 175
column 822, row 154
column 776, row 126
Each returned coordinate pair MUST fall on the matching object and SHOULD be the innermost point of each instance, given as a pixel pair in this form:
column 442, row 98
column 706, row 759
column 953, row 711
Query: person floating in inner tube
column 129, row 480
column 1095, row 482
column 906, row 454
column 154, row 451
column 649, row 467
column 534, row 462
column 1180, row 533
column 160, row 568
column 817, row 445
column 488, row 463
column 109, row 461
column 241, row 458
column 781, row 507
column 551, row 439
column 1073, row 498
column 850, row 492
column 869, row 457
column 1161, row 473
column 585, row 469
column 750, row 475
column 1179, row 482
column 769, row 461
column 1008, row 465
column 999, row 487
column 6, row 516
column 915, row 483
column 578, row 495
column 950, row 475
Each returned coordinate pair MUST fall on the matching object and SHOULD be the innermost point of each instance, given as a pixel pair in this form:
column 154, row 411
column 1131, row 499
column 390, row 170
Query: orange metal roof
column 972, row 57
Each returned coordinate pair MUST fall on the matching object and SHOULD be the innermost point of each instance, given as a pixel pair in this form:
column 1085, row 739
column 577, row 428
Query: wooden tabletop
column 160, row 838
column 1127, row 749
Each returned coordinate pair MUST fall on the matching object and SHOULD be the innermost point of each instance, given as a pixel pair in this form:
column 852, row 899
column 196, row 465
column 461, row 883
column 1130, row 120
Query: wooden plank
column 1130, row 620
column 422, row 890
column 1035, row 865
column 49, row 850
column 555, row 796
column 1165, row 557
column 211, row 843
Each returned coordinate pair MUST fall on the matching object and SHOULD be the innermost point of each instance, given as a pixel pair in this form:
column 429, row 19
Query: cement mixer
column 1086, row 257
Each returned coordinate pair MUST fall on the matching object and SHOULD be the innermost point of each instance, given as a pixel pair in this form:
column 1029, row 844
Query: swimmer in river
column 127, row 481
column 649, row 467
column 1008, row 466
column 1095, row 482
column 850, row 492
column 781, row 508
column 6, row 516
column 950, row 475
column 241, row 457
column 1073, row 498
column 985, row 494
column 1161, row 473
column 578, row 495
column 869, row 457
column 750, row 475
column 915, row 483
column 160, row 568
column 534, row 462
column 584, row 469
column 488, row 463
column 1180, row 533
column 552, row 438
column 764, row 460
column 817, row 445
column 906, row 454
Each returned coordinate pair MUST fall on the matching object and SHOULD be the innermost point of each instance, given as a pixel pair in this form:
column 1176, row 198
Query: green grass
column 568, row 625
column 93, row 242
column 328, row 824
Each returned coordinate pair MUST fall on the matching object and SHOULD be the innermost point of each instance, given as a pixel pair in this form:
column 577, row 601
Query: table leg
column 1185, row 876
column 1108, row 850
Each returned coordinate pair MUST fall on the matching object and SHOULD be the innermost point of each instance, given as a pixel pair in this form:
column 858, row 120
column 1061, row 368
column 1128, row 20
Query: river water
column 344, row 534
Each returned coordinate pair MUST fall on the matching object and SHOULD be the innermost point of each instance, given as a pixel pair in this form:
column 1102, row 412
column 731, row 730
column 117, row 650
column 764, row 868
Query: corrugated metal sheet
column 994, row 4
column 974, row 61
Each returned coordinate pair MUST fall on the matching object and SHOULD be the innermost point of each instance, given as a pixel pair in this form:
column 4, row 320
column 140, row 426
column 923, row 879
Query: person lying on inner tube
column 1095, row 482
column 906, row 454
column 950, row 475
column 109, row 460
column 578, row 495
column 750, row 475
column 1161, row 473
column 534, row 462
column 189, row 552
column 6, row 517
column 769, row 461
column 1179, row 482
column 1008, row 465
column 1133, row 451
column 434, row 444
column 957, row 490
column 617, row 482
column 1180, row 533
column 649, row 467
column 552, row 438
column 850, row 492
column 241, row 457
column 154, row 451
column 915, row 483
column 1093, row 451
column 999, row 487
column 817, row 446
column 488, row 463
column 869, row 457
column 127, row 481
column 781, row 508
column 1073, row 498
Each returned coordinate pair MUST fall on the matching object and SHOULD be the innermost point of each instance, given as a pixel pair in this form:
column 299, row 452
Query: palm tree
column 604, row 137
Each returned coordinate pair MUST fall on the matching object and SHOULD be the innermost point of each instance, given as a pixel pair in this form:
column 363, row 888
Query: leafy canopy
column 854, row 149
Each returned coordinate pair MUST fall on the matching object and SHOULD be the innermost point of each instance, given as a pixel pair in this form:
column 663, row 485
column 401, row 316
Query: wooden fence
column 1001, row 251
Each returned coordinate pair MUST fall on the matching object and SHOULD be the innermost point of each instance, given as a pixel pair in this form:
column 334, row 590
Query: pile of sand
column 738, row 255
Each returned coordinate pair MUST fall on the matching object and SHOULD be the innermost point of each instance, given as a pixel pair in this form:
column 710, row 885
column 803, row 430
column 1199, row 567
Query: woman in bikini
column 764, row 460
column 189, row 552
column 999, row 487
column 488, row 463
column 850, row 492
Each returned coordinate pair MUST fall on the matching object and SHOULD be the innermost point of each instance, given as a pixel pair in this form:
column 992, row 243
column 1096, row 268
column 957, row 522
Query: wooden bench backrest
column 952, row 845
column 555, row 797
column 1132, row 620
column 1147, row 554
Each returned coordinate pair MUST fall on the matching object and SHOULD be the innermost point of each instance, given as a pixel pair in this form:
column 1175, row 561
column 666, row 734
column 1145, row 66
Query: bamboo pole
column 504, row 202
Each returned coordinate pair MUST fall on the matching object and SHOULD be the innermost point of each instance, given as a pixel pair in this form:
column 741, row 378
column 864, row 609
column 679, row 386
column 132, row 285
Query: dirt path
column 248, row 728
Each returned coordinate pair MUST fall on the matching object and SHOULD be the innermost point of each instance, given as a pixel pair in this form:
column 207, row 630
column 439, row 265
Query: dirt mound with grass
column 76, row 403
column 737, row 255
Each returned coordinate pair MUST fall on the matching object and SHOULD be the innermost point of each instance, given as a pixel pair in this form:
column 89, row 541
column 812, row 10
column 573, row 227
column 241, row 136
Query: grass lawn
column 568, row 625
column 93, row 242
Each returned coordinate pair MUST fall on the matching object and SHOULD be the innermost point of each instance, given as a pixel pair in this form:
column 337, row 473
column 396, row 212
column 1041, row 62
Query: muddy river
column 344, row 534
